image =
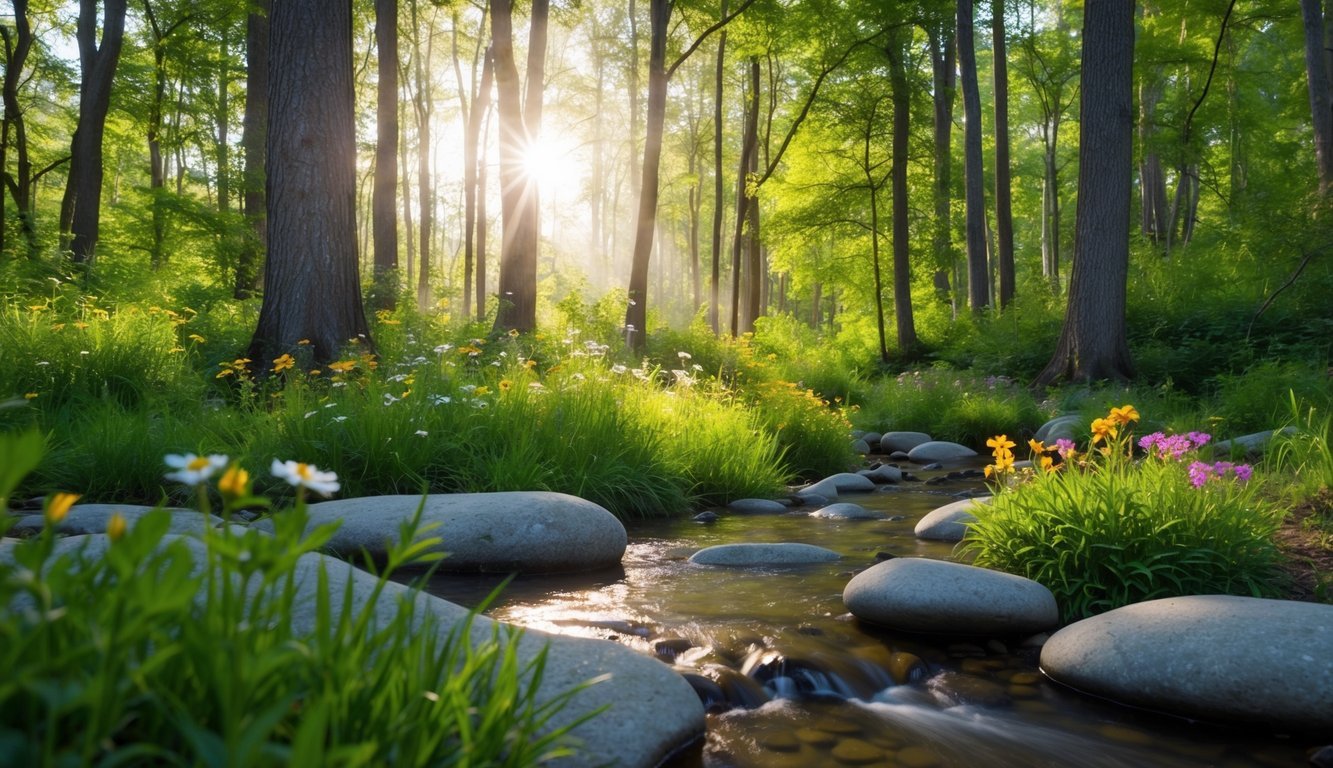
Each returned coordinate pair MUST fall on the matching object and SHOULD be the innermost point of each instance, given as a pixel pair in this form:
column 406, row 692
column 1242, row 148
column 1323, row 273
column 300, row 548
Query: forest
column 664, row 255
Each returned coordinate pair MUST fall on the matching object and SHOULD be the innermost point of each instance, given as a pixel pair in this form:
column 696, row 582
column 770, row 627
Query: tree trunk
column 944, row 86
column 312, row 285
column 749, row 146
column 254, row 136
column 902, row 130
column 978, row 273
column 81, row 208
column 636, row 313
column 20, row 185
column 695, row 203
column 1152, row 180
column 384, row 218
column 1319, row 81
column 482, row 221
column 476, row 107
column 1092, row 344
column 424, row 104
column 714, row 296
column 754, row 271
column 1004, row 218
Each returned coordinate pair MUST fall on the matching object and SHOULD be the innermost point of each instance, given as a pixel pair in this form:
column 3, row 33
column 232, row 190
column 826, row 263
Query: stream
column 791, row 679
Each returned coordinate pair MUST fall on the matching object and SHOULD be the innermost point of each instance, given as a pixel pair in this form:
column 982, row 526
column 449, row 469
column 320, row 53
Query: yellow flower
column 1047, row 463
column 990, row 469
column 342, row 366
column 282, row 363
column 81, row 325
column 1124, row 415
column 1000, row 443
column 234, row 482
column 303, row 342
column 1037, row 446
column 315, row 371
column 115, row 527
column 57, row 506
column 479, row 391
column 513, row 333
column 57, row 326
column 505, row 384
column 30, row 396
column 1103, row 429
column 368, row 360
column 197, row 338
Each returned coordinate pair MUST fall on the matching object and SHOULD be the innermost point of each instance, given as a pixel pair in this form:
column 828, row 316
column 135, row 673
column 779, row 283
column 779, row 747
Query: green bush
column 146, row 649
column 1110, row 531
column 951, row 405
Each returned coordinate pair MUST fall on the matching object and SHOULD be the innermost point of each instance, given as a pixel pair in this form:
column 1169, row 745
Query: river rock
column 1070, row 426
column 92, row 518
column 757, row 507
column 523, row 531
column 843, row 482
column 949, row 522
column 652, row 710
column 1214, row 657
column 939, row 450
column 917, row 594
column 891, row 442
column 847, row 511
column 1247, row 445
column 872, row 439
column 884, row 473
column 860, row 446
column 751, row 554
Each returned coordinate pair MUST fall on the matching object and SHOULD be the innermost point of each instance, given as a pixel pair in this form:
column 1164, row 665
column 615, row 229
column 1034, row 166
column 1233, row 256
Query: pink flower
column 1199, row 473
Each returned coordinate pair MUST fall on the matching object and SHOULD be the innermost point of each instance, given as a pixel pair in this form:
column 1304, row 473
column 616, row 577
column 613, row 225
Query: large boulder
column 1214, row 657
column 917, row 594
column 847, row 511
column 651, row 711
column 890, row 442
column 92, row 518
column 843, row 482
column 949, row 522
column 755, row 554
column 1070, row 426
column 939, row 450
column 523, row 531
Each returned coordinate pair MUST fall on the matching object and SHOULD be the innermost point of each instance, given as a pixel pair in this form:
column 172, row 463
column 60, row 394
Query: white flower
column 440, row 399
column 311, row 413
column 440, row 350
column 305, row 476
column 618, row 368
column 683, row 355
column 697, row 367
column 421, row 433
column 192, row 469
column 389, row 399
column 338, row 419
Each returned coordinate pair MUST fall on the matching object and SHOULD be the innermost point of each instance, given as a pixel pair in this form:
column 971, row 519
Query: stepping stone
column 949, row 522
column 939, row 450
column 763, row 554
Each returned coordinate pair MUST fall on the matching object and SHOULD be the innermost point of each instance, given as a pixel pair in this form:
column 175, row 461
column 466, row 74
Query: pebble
column 917, row 757
column 857, row 752
column 779, row 741
column 705, row 517
column 816, row 738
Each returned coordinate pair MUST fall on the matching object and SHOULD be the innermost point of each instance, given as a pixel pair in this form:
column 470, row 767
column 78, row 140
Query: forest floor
column 1306, row 539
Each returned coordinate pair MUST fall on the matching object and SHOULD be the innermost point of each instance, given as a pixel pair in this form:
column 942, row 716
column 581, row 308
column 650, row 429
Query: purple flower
column 1148, row 441
column 1200, row 439
column 1243, row 472
column 1199, row 473
column 1064, row 447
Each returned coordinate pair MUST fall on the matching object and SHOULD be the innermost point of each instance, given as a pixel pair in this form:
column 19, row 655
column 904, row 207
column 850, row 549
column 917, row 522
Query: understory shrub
column 951, row 405
column 1103, row 530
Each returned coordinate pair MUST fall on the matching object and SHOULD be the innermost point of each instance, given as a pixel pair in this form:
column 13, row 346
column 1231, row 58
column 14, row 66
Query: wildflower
column 30, row 395
column 303, row 343
column 479, row 391
column 115, row 527
column 234, row 482
column 440, row 399
column 192, row 469
column 440, row 350
column 1103, row 429
column 1001, row 444
column 1200, row 438
column 421, row 433
column 283, row 362
column 1124, row 415
column 513, row 333
column 505, row 384
column 683, row 355
column 196, row 338
column 1065, row 447
column 1037, row 446
column 1047, row 463
column 1199, row 473
column 302, row 475
column 389, row 399
column 57, row 506
column 342, row 366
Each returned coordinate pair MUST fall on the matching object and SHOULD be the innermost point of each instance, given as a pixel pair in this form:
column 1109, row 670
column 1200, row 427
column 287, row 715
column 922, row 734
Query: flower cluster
column 1173, row 447
column 1004, row 456
column 1200, row 472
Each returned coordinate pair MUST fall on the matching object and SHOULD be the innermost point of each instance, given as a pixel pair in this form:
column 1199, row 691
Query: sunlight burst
column 551, row 161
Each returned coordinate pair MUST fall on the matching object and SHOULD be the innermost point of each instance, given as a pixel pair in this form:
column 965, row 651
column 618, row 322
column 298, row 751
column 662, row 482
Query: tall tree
column 20, row 184
column 1004, row 217
column 1320, row 82
column 81, row 209
column 941, row 33
column 978, row 274
column 312, row 286
column 384, row 197
column 254, row 141
column 423, row 103
column 901, row 96
column 718, row 186
column 1092, row 342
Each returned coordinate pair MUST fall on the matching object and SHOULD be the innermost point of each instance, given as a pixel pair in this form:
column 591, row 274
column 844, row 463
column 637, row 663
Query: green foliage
column 951, row 405
column 1304, row 451
column 145, row 648
column 1110, row 531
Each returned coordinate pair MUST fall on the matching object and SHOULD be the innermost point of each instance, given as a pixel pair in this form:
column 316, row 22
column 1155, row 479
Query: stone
column 1070, row 426
column 1322, row 757
column 849, row 482
column 92, row 518
column 653, row 712
column 826, row 488
column 757, row 507
column 847, row 511
column 902, row 441
column 1211, row 657
column 939, row 450
column 860, row 446
column 786, row 553
column 1246, row 445
column 872, row 439
column 884, row 473
column 807, row 499
column 706, row 517
column 949, row 522
column 917, row 594
column 527, row 532
column 857, row 752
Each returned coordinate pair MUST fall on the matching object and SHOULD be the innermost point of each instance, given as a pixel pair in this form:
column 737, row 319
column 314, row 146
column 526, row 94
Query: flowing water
column 791, row 679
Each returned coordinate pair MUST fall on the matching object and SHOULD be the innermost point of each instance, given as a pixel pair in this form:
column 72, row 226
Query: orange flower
column 1037, row 446
column 1001, row 443
column 57, row 507
column 1124, row 415
column 283, row 362
column 1103, row 429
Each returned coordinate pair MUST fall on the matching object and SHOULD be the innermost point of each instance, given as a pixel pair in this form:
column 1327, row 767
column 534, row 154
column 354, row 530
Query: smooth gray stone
column 939, row 450
column 1249, row 445
column 847, row 511
column 808, row 499
column 917, row 594
column 861, row 446
column 883, row 474
column 757, row 507
column 523, row 531
column 754, row 554
column 1214, row 657
column 652, row 710
column 843, row 482
column 890, row 442
column 1069, row 426
column 872, row 439
column 949, row 522
column 92, row 518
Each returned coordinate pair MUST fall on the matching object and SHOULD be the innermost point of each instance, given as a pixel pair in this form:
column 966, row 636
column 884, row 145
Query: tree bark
column 749, row 145
column 902, row 130
column 714, row 296
column 20, row 184
column 978, row 273
column 645, row 223
column 944, row 84
column 312, row 284
column 424, row 105
column 1319, row 81
column 1092, row 344
column 1004, row 218
column 254, row 137
column 384, row 208
column 81, row 208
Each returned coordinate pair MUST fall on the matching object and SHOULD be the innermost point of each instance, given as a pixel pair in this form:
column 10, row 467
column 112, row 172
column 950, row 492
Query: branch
column 1268, row 302
column 1217, row 50
column 671, row 70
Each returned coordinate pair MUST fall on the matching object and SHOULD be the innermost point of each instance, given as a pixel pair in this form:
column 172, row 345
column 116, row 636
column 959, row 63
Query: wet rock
column 933, row 466
column 892, row 442
column 906, row 668
column 705, row 517
column 523, row 531
column 939, row 450
column 847, row 511
column 884, row 473
column 754, row 554
column 861, row 447
column 872, row 439
column 1213, row 657
column 757, row 507
column 882, row 556
column 935, row 596
column 954, row 688
column 917, row 757
column 808, row 499
column 669, row 648
column 938, row 480
column 898, row 455
column 1322, row 757
column 92, row 518
column 1247, row 445
column 709, row 692
column 949, row 522
column 1070, row 426
column 857, row 752
column 816, row 738
column 847, row 482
